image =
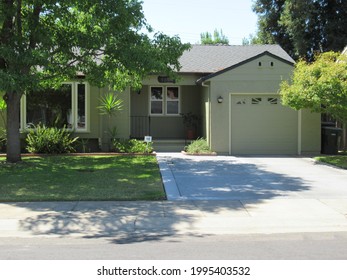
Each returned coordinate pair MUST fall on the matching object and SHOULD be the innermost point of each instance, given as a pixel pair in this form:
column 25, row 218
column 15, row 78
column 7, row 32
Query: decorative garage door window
column 264, row 100
column 165, row 100
column 256, row 100
column 241, row 101
column 272, row 100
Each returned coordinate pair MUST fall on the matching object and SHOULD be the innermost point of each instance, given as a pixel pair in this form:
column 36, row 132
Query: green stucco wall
column 310, row 132
column 251, row 79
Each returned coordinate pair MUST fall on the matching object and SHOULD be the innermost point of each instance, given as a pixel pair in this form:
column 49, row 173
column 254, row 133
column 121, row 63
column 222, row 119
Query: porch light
column 220, row 99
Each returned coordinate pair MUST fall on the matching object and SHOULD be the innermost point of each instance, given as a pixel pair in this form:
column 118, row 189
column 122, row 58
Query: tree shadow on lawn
column 232, row 186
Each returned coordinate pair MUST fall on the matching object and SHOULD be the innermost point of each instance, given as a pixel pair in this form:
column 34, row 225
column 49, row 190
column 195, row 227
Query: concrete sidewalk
column 261, row 199
column 166, row 218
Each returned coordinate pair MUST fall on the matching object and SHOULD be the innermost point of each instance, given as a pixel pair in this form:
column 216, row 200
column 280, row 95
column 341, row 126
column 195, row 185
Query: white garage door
column 261, row 125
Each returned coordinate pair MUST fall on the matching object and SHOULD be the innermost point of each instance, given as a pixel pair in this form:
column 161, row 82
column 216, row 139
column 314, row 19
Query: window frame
column 74, row 108
column 165, row 101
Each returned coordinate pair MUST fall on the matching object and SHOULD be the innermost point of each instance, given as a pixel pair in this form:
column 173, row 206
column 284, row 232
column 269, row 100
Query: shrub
column 198, row 146
column 49, row 140
column 3, row 139
column 132, row 146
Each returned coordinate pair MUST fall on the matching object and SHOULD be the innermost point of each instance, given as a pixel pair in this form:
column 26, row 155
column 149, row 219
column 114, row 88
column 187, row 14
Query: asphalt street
column 293, row 246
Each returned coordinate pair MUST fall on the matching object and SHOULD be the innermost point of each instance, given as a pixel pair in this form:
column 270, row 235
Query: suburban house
column 232, row 91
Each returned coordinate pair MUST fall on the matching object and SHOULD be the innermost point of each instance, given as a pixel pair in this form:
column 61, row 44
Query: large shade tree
column 302, row 27
column 44, row 42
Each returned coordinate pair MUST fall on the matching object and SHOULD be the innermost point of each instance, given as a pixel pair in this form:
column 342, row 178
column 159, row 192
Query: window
column 241, row 101
column 272, row 100
column 156, row 100
column 172, row 101
column 164, row 100
column 66, row 106
column 256, row 100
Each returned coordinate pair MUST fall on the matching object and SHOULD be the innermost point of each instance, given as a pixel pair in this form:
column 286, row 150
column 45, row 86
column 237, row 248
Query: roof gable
column 209, row 76
column 209, row 59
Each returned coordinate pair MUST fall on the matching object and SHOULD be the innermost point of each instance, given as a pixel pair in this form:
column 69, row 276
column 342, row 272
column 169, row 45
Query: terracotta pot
column 191, row 134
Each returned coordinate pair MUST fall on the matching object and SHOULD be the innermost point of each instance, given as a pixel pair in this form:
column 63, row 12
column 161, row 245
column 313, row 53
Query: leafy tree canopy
column 217, row 38
column 302, row 27
column 320, row 86
column 44, row 42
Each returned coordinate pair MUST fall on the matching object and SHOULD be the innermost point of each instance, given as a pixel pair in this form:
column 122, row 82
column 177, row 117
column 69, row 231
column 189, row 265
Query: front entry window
column 172, row 101
column 156, row 100
column 164, row 100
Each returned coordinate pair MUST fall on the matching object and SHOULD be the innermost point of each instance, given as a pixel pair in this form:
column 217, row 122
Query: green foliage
column 3, row 138
column 110, row 104
column 339, row 161
column 3, row 107
column 44, row 43
column 190, row 120
column 50, row 140
column 217, row 38
column 199, row 146
column 320, row 86
column 132, row 146
column 302, row 27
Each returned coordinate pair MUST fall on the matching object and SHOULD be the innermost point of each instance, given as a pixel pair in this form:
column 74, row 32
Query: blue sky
column 189, row 18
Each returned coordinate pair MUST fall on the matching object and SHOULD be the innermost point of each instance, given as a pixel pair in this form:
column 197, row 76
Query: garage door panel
column 261, row 125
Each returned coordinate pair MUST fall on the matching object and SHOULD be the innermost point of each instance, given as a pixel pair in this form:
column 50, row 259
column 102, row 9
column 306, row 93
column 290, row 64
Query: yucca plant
column 110, row 104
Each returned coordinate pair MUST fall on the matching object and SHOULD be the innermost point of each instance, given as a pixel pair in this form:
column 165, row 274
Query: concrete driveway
column 251, row 178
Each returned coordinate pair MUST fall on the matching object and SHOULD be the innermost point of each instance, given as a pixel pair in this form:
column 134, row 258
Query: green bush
column 3, row 139
column 50, row 140
column 198, row 146
column 132, row 146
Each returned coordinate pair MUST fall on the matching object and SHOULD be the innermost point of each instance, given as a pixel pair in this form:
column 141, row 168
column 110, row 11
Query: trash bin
column 330, row 140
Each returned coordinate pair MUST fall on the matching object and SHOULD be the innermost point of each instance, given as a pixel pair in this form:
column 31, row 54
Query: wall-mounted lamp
column 220, row 99
column 139, row 92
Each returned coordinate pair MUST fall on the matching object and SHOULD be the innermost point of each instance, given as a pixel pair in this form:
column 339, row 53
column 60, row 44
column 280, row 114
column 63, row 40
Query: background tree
column 46, row 42
column 217, row 38
column 303, row 27
column 320, row 86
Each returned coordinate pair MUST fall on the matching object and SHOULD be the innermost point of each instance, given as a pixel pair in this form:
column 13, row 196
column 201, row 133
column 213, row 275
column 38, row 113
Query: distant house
column 232, row 89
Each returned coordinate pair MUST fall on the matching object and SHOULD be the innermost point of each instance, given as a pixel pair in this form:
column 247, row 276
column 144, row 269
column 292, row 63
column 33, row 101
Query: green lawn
column 338, row 160
column 66, row 178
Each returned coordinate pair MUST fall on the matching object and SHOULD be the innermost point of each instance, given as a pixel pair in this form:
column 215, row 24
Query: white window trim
column 74, row 104
column 164, row 102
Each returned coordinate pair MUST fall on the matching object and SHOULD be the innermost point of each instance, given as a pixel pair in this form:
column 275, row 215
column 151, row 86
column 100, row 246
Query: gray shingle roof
column 215, row 58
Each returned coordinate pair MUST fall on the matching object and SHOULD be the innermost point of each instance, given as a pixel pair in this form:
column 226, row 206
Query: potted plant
column 190, row 121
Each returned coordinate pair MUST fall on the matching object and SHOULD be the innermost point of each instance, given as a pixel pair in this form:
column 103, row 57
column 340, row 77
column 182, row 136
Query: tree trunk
column 13, row 120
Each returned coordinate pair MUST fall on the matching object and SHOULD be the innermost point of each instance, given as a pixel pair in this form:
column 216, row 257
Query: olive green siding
column 99, row 125
column 310, row 130
column 251, row 79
